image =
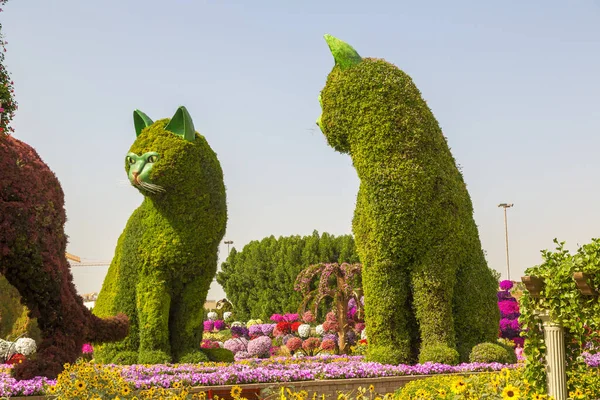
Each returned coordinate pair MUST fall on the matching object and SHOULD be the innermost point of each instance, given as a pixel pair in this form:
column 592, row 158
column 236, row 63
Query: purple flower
column 506, row 285
column 330, row 336
column 267, row 329
column 290, row 317
column 209, row 325
column 259, row 347
column 236, row 345
column 508, row 307
column 239, row 331
column 219, row 325
column 255, row 330
column 277, row 318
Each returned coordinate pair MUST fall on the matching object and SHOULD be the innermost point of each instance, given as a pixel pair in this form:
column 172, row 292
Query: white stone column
column 555, row 358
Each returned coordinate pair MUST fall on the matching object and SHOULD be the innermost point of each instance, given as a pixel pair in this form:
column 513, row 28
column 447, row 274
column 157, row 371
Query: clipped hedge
column 219, row 355
column 492, row 352
column 413, row 224
column 259, row 280
column 166, row 257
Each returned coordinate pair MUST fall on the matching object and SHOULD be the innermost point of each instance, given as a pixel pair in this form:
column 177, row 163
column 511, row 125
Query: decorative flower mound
column 293, row 344
column 304, row 331
column 212, row 315
column 311, row 344
column 239, row 331
column 308, row 317
column 259, row 347
column 227, row 315
column 87, row 349
column 209, row 325
column 219, row 325
column 509, row 314
column 25, row 346
column 319, row 329
column 328, row 345
column 506, row 285
column 253, row 322
column 236, row 345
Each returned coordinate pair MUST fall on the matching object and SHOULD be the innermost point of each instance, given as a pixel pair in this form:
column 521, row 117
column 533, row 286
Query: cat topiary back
column 166, row 257
column 426, row 282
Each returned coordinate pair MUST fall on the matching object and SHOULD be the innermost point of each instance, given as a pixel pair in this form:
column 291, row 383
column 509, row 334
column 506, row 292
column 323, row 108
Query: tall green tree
column 259, row 280
column 8, row 105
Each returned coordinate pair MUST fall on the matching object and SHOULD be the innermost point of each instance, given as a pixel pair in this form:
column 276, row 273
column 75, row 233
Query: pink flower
column 328, row 344
column 87, row 348
column 308, row 317
column 294, row 344
column 310, row 344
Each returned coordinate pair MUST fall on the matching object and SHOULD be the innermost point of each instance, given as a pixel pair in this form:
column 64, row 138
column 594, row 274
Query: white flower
column 237, row 323
column 212, row 315
column 363, row 334
column 25, row 346
column 227, row 315
column 220, row 344
column 304, row 331
column 320, row 330
column 4, row 346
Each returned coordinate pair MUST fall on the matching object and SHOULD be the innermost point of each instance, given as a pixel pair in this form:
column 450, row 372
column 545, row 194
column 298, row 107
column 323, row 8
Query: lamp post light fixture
column 228, row 242
column 505, row 206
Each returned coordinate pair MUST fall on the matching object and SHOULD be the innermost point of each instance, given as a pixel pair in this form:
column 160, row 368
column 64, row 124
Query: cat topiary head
column 170, row 156
column 362, row 95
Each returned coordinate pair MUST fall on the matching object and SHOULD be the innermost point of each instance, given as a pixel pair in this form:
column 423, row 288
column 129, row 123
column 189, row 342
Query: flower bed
column 280, row 369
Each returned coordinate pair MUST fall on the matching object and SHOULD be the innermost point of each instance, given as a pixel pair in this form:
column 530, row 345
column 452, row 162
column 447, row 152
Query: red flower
column 284, row 327
column 16, row 359
column 295, row 326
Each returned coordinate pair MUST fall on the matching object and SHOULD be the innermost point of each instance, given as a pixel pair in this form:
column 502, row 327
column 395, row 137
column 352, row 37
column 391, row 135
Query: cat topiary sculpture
column 32, row 258
column 427, row 286
column 166, row 257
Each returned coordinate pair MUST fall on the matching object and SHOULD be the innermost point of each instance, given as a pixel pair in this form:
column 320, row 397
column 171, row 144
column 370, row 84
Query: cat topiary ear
column 140, row 121
column 344, row 55
column 181, row 124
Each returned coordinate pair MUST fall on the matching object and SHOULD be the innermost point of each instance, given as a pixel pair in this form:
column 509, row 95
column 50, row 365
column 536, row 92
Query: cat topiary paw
column 154, row 357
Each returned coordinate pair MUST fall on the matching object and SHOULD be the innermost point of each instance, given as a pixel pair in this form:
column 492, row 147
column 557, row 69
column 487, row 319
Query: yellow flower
column 510, row 392
column 177, row 385
column 51, row 389
column 577, row 394
column 371, row 388
column 125, row 390
column 236, row 391
column 421, row 394
column 459, row 386
column 442, row 392
column 538, row 396
column 80, row 385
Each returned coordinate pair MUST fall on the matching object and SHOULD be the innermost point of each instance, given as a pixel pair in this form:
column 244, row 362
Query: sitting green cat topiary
column 166, row 257
column 427, row 286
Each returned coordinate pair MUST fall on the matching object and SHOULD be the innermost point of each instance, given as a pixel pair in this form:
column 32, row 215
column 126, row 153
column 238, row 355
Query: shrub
column 219, row 355
column 492, row 352
column 259, row 280
column 439, row 354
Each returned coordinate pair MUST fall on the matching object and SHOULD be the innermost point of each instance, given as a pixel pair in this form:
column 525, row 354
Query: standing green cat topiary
column 427, row 286
column 166, row 257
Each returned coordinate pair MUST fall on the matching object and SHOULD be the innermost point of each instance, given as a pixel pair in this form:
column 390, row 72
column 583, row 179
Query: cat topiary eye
column 153, row 158
column 130, row 160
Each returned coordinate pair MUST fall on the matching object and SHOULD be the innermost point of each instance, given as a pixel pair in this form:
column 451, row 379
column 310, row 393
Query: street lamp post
column 228, row 242
column 505, row 206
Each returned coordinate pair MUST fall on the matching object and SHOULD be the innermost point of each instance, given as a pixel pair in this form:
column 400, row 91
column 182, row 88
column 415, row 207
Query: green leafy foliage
column 219, row 355
column 259, row 280
column 577, row 313
column 166, row 257
column 492, row 352
column 7, row 101
column 425, row 278
column 439, row 353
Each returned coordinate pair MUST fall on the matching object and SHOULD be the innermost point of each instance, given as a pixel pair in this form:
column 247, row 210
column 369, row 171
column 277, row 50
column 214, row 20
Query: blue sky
column 514, row 85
